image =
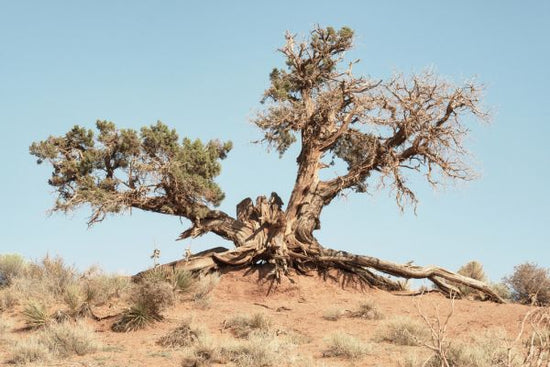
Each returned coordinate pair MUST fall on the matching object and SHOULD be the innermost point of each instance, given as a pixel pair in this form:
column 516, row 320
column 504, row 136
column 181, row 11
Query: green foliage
column 36, row 315
column 148, row 299
column 118, row 169
column 530, row 284
column 11, row 266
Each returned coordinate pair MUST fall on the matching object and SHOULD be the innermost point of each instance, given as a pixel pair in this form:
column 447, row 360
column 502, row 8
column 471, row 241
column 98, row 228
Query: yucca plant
column 35, row 315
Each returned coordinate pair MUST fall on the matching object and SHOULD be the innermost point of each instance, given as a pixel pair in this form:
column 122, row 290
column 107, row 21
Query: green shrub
column 182, row 280
column 36, row 315
column 11, row 266
column 149, row 300
column 530, row 284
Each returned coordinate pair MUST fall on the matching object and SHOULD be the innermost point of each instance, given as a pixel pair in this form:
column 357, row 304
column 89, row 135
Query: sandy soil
column 296, row 307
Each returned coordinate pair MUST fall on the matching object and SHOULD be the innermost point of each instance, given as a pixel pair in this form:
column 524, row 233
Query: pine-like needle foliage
column 116, row 169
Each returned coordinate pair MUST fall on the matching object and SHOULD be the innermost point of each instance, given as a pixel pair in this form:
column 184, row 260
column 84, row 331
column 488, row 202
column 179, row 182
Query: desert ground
column 301, row 319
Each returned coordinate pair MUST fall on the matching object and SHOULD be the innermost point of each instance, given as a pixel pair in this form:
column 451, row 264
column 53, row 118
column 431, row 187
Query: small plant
column 402, row 331
column 73, row 298
column 343, row 345
column 205, row 285
column 11, row 266
column 66, row 339
column 474, row 270
column 530, row 284
column 35, row 315
column 242, row 326
column 333, row 314
column 368, row 310
column 182, row 280
column 149, row 299
column 28, row 351
column 137, row 317
column 183, row 336
column 260, row 349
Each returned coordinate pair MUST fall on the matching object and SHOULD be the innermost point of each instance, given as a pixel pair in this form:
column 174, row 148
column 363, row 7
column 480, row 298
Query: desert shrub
column 489, row 349
column 55, row 273
column 182, row 336
column 36, row 315
column 343, row 345
column 100, row 288
column 182, row 280
column 8, row 299
column 205, row 285
column 402, row 331
column 66, row 339
column 333, row 314
column 530, row 284
column 73, row 298
column 260, row 349
column 243, row 325
column 204, row 353
column 368, row 310
column 148, row 299
column 29, row 350
column 502, row 290
column 474, row 270
column 5, row 326
column 11, row 266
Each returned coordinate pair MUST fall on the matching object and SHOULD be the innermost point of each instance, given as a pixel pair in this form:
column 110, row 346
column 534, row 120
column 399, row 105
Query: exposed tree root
column 353, row 267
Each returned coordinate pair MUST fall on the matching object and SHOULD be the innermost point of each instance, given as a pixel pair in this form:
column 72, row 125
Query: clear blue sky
column 201, row 67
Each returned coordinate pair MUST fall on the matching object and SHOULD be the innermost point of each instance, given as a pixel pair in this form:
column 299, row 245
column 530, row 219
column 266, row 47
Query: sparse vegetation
column 333, row 314
column 29, row 350
column 368, row 310
column 67, row 339
column 243, row 325
column 530, row 284
column 344, row 345
column 402, row 331
column 183, row 336
column 36, row 315
column 11, row 266
column 474, row 270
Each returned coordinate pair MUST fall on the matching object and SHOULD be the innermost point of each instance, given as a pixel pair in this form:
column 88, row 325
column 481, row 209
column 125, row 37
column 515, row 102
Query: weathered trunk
column 265, row 234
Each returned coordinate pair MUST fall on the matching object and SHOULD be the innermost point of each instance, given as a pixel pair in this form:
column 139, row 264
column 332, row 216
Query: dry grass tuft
column 333, row 314
column 68, row 339
column 341, row 344
column 242, row 325
column 183, row 336
column 402, row 331
column 28, row 351
column 368, row 310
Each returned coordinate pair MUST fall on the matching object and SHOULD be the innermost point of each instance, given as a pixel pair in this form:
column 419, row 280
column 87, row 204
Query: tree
column 379, row 130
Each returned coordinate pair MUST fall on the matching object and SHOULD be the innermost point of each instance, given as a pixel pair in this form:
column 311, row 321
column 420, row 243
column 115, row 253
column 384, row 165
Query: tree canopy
column 379, row 130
